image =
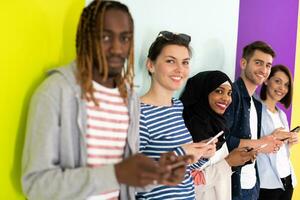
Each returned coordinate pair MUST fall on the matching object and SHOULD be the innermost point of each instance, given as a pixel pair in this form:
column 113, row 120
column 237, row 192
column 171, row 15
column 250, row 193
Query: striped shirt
column 107, row 126
column 162, row 129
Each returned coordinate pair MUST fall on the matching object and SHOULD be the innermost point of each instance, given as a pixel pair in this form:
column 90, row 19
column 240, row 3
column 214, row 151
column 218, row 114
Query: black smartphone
column 248, row 149
column 296, row 129
column 284, row 139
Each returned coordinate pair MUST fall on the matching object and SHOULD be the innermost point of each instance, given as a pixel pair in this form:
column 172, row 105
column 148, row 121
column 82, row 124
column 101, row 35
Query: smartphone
column 215, row 137
column 284, row 139
column 296, row 129
column 248, row 149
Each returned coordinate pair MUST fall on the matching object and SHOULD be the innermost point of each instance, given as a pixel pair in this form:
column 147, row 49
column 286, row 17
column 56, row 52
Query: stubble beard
column 251, row 77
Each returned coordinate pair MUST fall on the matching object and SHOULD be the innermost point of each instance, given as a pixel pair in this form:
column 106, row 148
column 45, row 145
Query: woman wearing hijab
column 205, row 98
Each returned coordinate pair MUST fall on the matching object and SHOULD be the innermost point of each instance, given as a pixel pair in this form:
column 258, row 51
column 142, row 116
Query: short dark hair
column 287, row 99
column 249, row 50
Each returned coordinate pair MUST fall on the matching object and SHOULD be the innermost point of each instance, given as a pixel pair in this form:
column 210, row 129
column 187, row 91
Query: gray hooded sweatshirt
column 54, row 156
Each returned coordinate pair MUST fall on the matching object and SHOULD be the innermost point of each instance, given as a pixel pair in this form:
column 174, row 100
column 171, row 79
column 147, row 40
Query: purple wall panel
column 273, row 21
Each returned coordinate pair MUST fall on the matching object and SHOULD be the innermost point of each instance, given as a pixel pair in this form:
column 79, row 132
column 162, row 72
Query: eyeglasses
column 171, row 36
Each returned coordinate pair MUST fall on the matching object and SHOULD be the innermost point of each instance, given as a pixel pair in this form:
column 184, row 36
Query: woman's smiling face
column 171, row 68
column 220, row 98
column 277, row 86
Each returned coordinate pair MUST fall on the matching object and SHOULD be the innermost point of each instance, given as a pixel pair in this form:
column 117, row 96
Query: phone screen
column 215, row 137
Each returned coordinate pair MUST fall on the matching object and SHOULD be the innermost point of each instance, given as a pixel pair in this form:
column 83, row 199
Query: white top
column 107, row 126
column 219, row 155
column 267, row 163
column 282, row 162
column 248, row 173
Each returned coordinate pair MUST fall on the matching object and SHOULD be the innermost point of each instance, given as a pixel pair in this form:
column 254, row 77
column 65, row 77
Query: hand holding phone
column 294, row 136
column 281, row 134
column 249, row 149
column 176, row 168
column 240, row 156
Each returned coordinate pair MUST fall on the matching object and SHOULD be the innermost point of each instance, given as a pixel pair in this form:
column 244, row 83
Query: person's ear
column 150, row 66
column 243, row 63
column 266, row 82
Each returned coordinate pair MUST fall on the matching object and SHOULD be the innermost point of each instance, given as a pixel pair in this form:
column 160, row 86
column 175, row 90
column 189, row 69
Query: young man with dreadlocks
column 83, row 124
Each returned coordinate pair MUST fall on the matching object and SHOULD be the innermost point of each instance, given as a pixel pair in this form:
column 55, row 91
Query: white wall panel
column 212, row 25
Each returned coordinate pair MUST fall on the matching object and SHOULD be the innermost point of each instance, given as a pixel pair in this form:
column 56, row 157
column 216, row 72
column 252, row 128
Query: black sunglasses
column 170, row 36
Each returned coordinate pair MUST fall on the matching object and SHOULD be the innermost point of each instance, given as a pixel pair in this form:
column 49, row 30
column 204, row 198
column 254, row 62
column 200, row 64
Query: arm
column 201, row 152
column 45, row 176
column 54, row 170
column 232, row 117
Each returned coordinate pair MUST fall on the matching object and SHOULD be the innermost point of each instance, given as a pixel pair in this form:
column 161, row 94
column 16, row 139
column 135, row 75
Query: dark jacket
column 238, row 121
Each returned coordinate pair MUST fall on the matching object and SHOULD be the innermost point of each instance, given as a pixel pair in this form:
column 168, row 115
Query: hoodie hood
column 68, row 73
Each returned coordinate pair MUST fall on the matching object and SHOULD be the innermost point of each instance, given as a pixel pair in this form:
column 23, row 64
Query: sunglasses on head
column 170, row 36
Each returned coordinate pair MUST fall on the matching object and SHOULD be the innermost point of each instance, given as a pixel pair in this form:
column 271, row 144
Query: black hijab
column 200, row 119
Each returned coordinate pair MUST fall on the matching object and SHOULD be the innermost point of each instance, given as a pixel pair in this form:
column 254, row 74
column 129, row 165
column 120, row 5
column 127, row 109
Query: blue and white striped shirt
column 162, row 129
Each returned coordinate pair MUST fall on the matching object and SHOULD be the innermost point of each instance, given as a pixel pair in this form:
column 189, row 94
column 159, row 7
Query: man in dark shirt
column 244, row 117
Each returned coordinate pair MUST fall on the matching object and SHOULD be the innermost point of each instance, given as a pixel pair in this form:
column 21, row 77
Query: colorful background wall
column 211, row 24
column 37, row 35
column 276, row 22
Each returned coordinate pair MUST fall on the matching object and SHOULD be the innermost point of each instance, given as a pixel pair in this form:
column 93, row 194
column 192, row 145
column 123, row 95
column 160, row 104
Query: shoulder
column 282, row 113
column 177, row 103
column 236, row 93
column 146, row 109
column 56, row 84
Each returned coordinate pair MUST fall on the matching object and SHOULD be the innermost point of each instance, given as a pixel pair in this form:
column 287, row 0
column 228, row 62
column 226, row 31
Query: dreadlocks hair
column 89, row 50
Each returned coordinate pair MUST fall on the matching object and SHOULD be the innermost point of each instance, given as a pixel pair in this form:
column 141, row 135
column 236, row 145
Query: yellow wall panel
column 296, row 112
column 35, row 35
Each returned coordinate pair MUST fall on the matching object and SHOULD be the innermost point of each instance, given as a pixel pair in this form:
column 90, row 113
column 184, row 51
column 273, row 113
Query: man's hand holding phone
column 257, row 149
column 273, row 144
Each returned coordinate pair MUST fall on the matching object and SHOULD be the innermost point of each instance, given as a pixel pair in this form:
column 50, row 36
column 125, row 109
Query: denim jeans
column 249, row 194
